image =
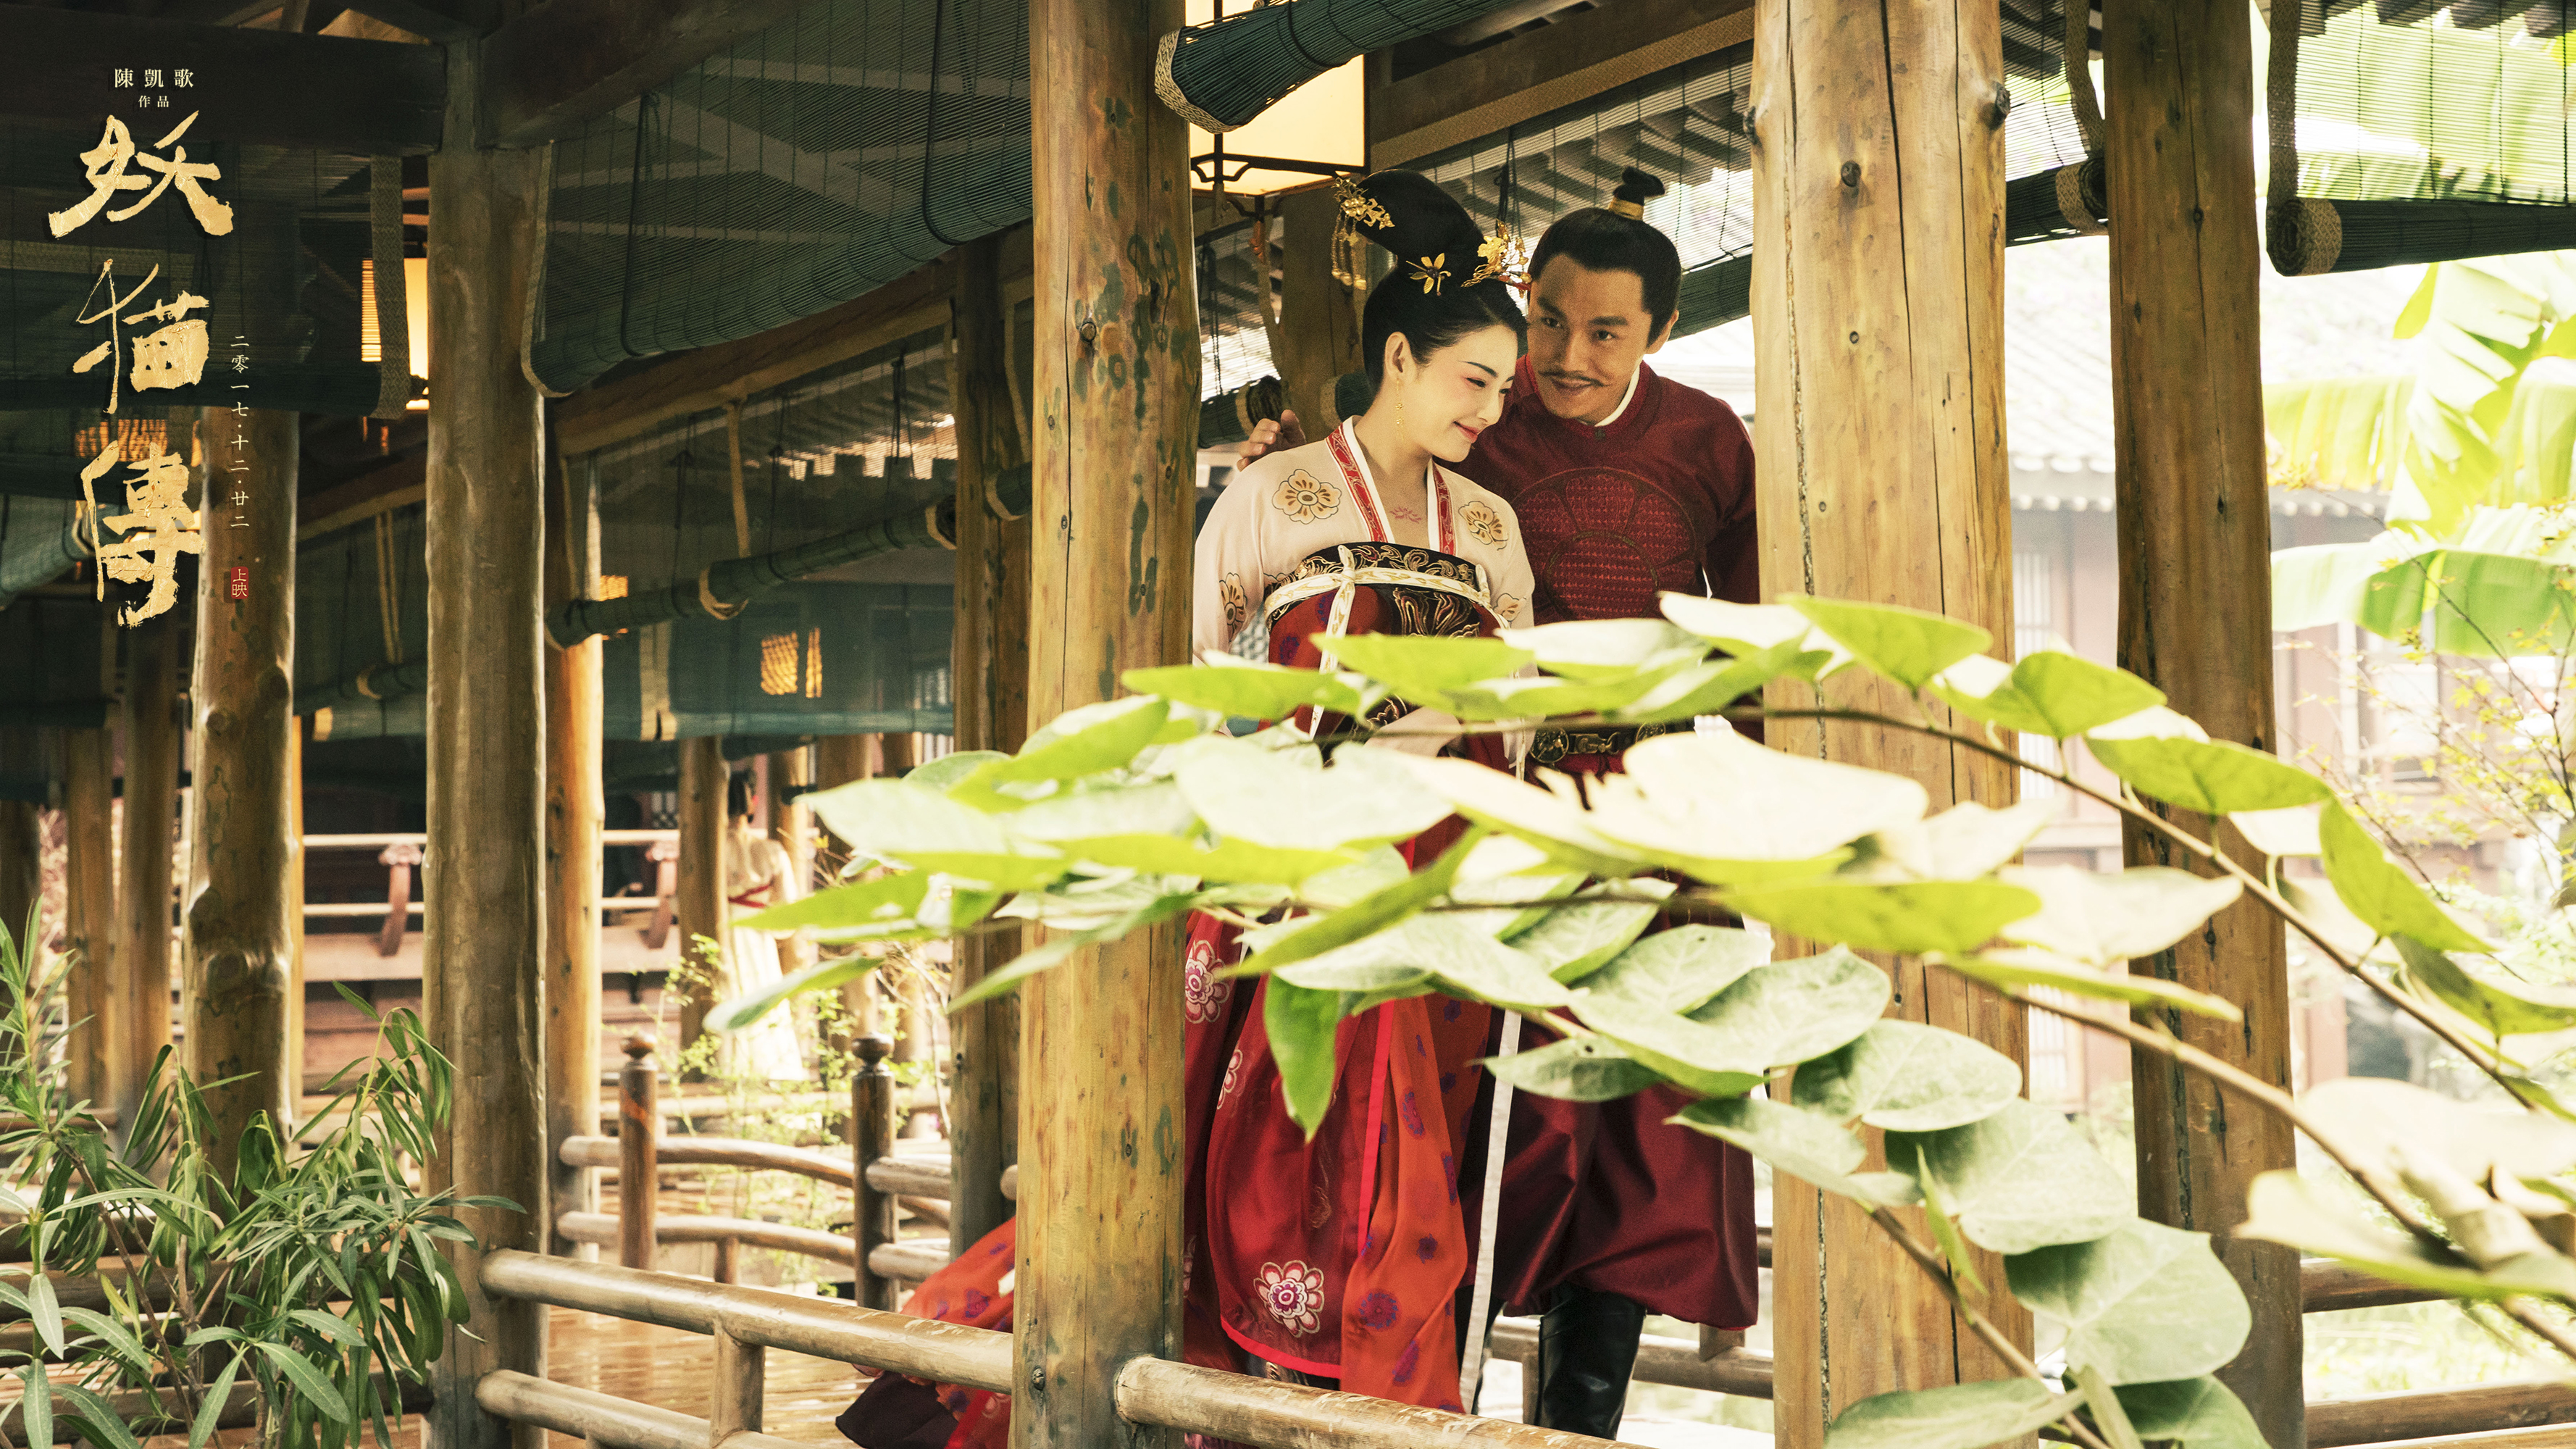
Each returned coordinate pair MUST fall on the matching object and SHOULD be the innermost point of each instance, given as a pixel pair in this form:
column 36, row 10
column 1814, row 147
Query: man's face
column 1588, row 331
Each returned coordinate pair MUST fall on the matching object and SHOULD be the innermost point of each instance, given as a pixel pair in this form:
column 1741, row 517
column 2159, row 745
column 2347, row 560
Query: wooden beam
column 398, row 484
column 483, row 978
column 701, row 904
column 1115, row 383
column 1878, row 314
column 89, row 891
column 135, row 1017
column 991, row 670
column 265, row 87
column 709, row 377
column 243, row 852
column 1319, row 327
column 443, row 21
column 1530, row 75
column 2196, row 605
column 561, row 63
column 576, row 814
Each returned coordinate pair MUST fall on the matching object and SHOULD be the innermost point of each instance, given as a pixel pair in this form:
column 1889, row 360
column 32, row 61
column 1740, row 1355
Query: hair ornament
column 1358, row 205
column 1501, row 255
column 1634, row 190
column 1431, row 272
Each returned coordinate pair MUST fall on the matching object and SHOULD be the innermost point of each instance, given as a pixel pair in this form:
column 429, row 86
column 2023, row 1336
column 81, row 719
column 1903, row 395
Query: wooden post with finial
column 639, row 1133
column 2195, row 545
column 872, row 1119
column 991, row 669
column 1878, row 314
column 244, row 853
column 1113, row 447
column 484, row 937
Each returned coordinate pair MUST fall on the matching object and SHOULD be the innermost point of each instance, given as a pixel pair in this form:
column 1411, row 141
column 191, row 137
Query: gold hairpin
column 1432, row 272
column 1359, row 205
column 1500, row 257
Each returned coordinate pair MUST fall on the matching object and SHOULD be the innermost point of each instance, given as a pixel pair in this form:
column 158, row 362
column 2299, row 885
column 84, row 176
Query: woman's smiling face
column 1449, row 396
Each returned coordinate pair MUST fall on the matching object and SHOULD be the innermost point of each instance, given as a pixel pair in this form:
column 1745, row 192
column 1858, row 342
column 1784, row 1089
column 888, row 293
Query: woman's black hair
column 1437, row 248
column 737, row 795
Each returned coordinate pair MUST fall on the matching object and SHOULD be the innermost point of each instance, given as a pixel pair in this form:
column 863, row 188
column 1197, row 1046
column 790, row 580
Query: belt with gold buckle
column 1554, row 744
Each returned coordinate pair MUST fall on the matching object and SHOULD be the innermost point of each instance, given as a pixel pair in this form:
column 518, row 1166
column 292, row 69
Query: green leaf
column 1956, row 1416
column 1288, row 799
column 2213, row 777
column 2022, row 1179
column 2283, row 1208
column 1710, row 1063
column 1791, row 1011
column 2144, row 1303
column 2049, row 692
column 2293, row 831
column 2374, row 1118
column 1558, row 827
column 1748, row 630
column 2009, row 967
column 1359, row 920
column 1543, row 696
column 1709, row 688
column 903, row 821
column 1605, row 648
column 1579, row 938
column 1908, row 1077
column 1794, row 1140
column 1577, row 1069
column 946, row 772
column 210, row 1412
column 309, row 1382
column 1247, row 690
column 97, row 1418
column 1725, row 809
column 2102, row 917
column 1906, row 645
column 1227, row 860
column 2521, row 1009
column 1964, row 842
column 331, row 1326
column 44, row 1311
column 2103, row 1402
column 1422, row 667
column 1059, row 946
column 1063, row 820
column 2201, row 1412
column 1678, row 970
column 1908, row 918
column 36, row 1405
column 2380, row 892
column 863, row 905
column 1302, row 1025
column 1084, row 741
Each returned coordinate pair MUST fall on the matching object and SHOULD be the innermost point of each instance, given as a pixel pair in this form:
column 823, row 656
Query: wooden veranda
column 1873, row 137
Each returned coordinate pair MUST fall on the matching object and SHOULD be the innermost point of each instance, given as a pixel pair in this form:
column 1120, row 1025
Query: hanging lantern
column 1317, row 130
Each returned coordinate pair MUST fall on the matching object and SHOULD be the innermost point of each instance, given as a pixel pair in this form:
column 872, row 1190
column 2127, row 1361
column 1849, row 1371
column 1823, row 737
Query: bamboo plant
column 309, row 1287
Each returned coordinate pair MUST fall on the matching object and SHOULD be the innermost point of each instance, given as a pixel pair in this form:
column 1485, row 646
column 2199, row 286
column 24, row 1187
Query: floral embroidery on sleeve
column 1508, row 605
column 1294, row 1294
column 1205, row 993
column 1484, row 524
column 1304, row 497
column 1230, row 590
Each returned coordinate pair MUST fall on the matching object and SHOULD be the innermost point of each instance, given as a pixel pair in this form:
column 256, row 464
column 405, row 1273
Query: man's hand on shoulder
column 1271, row 437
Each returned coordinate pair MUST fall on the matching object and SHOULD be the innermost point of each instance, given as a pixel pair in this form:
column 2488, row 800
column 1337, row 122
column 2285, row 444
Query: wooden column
column 135, row 1015
column 485, row 873
column 21, row 844
column 89, row 890
column 576, row 813
column 838, row 760
column 244, row 854
column 295, row 728
column 1878, row 308
column 1319, row 328
column 900, row 995
column 992, row 674
column 791, row 773
column 2196, row 603
column 701, row 906
column 1113, row 438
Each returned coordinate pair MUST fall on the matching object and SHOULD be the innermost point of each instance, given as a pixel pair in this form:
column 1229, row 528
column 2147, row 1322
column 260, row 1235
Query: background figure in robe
column 1626, row 484
column 756, row 876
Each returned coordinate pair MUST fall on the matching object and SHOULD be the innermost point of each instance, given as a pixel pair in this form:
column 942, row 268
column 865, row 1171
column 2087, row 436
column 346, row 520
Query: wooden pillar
column 295, row 728
column 576, row 813
column 135, row 1015
column 244, row 854
column 838, row 760
column 791, row 773
column 485, row 874
column 2196, row 602
column 89, row 890
column 1113, row 439
column 22, row 848
column 1319, row 328
column 1878, row 308
column 701, row 905
column 992, row 674
column 900, row 995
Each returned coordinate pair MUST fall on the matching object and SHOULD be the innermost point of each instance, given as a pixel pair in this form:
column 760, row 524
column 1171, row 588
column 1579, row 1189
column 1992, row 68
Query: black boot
column 1587, row 1347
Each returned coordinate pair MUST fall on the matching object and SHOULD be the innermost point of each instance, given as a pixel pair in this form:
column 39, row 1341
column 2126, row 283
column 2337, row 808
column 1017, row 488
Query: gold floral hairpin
column 1500, row 255
column 1431, row 272
column 1359, row 205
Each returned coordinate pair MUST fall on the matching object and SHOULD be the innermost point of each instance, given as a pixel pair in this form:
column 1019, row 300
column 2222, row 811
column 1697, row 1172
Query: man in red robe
column 1627, row 484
